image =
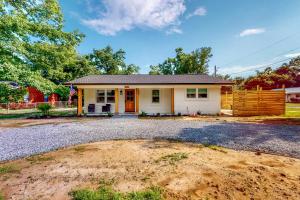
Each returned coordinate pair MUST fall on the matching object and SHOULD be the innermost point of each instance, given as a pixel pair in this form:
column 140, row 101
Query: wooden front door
column 130, row 100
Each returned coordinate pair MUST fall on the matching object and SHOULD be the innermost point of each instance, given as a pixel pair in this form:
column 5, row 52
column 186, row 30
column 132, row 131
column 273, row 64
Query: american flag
column 72, row 92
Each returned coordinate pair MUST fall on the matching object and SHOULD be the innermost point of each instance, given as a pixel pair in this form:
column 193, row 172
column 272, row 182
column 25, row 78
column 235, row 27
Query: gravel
column 26, row 141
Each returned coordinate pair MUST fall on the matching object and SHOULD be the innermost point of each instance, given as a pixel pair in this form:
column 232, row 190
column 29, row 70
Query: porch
column 97, row 101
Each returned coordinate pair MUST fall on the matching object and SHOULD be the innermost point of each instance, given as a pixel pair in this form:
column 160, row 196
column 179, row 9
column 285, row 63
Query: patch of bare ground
column 256, row 119
column 16, row 123
column 181, row 170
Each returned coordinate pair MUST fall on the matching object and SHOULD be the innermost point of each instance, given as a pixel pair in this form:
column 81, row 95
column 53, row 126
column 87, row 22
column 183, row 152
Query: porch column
column 79, row 103
column 172, row 101
column 117, row 101
column 137, row 101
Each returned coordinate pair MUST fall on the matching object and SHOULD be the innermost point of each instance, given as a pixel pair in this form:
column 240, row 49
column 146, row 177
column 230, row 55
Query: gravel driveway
column 21, row 142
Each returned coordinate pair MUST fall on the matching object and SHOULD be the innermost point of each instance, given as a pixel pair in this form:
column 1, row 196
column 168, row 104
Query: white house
column 164, row 94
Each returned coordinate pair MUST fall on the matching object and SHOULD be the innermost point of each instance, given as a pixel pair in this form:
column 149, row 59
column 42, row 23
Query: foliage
column 10, row 94
column 1, row 196
column 44, row 108
column 195, row 62
column 109, row 62
column 34, row 49
column 143, row 114
column 109, row 114
column 288, row 74
column 107, row 193
column 63, row 92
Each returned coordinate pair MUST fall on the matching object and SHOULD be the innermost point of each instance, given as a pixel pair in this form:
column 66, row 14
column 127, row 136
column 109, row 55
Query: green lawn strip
column 107, row 193
column 53, row 113
column 5, row 169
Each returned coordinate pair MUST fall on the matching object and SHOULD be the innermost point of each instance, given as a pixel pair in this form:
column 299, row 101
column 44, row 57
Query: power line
column 262, row 49
column 268, row 65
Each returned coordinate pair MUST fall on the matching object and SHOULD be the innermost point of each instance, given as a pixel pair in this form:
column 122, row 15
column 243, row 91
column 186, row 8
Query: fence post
column 285, row 98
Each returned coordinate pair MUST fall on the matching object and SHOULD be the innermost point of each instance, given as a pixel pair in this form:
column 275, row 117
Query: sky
column 244, row 35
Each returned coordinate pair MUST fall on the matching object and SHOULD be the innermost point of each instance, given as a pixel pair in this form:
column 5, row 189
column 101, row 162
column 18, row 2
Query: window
column 202, row 93
column 155, row 96
column 191, row 93
column 110, row 96
column 100, row 95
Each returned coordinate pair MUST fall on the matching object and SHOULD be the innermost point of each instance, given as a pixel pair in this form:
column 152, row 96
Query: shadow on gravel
column 244, row 134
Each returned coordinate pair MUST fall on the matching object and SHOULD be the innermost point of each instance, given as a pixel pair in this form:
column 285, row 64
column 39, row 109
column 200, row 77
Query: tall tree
column 288, row 74
column 195, row 62
column 33, row 45
column 109, row 62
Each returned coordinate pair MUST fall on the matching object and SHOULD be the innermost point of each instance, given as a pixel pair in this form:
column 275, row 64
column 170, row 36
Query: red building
column 34, row 95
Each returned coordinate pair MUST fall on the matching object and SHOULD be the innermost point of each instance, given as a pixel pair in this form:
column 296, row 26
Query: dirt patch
column 182, row 170
column 256, row 119
column 16, row 123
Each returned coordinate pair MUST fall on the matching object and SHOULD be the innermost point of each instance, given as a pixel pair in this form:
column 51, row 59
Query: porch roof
column 144, row 79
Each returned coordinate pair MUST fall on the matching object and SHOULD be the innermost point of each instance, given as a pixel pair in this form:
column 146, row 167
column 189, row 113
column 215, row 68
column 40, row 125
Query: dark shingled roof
column 143, row 79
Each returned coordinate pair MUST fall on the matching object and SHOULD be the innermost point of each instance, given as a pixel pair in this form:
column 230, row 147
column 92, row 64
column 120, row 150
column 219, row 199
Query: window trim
column 186, row 91
column 103, row 96
column 107, row 96
column 197, row 94
column 153, row 96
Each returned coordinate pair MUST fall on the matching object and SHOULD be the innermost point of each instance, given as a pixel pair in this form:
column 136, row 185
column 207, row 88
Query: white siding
column 164, row 105
column 211, row 105
column 90, row 98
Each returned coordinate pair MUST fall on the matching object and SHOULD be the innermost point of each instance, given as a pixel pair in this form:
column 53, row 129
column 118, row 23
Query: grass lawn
column 25, row 113
column 292, row 110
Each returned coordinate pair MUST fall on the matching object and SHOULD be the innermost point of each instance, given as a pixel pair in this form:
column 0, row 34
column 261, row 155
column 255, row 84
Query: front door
column 130, row 100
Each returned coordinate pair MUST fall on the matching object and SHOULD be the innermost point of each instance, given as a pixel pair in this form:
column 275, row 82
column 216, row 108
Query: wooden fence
column 226, row 101
column 260, row 102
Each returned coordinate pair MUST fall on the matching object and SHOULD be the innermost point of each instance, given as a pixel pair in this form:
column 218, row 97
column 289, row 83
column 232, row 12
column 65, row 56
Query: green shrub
column 44, row 108
column 107, row 193
column 153, row 193
column 143, row 114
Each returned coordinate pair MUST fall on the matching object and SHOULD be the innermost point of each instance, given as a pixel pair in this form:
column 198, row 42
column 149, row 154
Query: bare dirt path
column 183, row 170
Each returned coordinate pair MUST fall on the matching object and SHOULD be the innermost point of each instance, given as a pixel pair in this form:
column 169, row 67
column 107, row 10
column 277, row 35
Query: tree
column 288, row 74
column 109, row 62
column 10, row 94
column 195, row 62
column 33, row 45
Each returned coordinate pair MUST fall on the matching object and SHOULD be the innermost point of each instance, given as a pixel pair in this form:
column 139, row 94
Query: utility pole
column 215, row 71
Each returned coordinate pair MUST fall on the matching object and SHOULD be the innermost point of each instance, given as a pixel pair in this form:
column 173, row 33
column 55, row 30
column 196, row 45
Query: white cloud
column 120, row 15
column 201, row 11
column 292, row 55
column 174, row 30
column 253, row 31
